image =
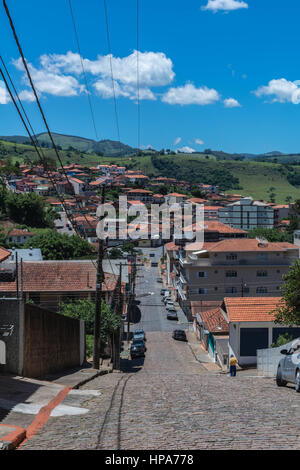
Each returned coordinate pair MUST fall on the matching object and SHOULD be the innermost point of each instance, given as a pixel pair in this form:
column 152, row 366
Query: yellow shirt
column 233, row 361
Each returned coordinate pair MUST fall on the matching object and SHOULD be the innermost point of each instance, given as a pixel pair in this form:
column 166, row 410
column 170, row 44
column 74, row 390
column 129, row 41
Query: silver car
column 289, row 367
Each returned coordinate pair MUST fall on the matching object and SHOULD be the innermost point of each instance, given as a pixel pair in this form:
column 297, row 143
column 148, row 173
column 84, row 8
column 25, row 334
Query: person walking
column 232, row 365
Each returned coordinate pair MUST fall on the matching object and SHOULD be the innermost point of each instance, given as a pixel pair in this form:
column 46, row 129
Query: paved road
column 169, row 401
column 151, row 312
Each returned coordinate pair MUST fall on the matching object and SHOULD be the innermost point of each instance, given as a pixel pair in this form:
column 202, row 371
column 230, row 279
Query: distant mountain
column 106, row 147
column 273, row 154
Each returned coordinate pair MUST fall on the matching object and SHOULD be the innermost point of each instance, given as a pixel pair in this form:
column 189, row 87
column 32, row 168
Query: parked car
column 162, row 291
column 169, row 306
column 172, row 314
column 167, row 299
column 159, row 279
column 154, row 264
column 139, row 334
column 152, row 255
column 137, row 348
column 289, row 367
column 179, row 335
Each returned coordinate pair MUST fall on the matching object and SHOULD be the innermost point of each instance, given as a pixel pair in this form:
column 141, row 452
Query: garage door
column 252, row 339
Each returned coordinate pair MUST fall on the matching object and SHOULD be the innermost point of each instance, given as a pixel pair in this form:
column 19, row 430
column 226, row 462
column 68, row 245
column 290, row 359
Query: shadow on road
column 132, row 365
column 136, row 314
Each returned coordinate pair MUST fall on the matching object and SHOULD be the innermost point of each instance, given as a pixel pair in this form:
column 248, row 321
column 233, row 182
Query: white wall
column 268, row 359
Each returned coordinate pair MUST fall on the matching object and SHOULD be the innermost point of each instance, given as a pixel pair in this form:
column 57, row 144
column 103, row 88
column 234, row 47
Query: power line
column 83, row 69
column 111, row 71
column 39, row 105
column 41, row 111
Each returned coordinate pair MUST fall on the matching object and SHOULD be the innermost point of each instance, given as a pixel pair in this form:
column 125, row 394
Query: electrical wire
column 111, row 71
column 83, row 69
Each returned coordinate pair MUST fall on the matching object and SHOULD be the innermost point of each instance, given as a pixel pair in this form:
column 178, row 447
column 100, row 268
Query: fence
column 268, row 359
column 35, row 342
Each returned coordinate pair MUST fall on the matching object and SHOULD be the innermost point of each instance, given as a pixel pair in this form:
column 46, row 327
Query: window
column 262, row 256
column 231, row 290
column 202, row 291
column 202, row 274
column 261, row 290
column 231, row 256
column 231, row 273
column 261, row 273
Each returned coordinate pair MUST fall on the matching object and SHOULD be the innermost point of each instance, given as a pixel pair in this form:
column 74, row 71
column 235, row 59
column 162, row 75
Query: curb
column 18, row 436
column 13, row 438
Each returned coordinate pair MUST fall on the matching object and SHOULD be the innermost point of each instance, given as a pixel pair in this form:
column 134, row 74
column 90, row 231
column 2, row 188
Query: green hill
column 65, row 142
column 248, row 177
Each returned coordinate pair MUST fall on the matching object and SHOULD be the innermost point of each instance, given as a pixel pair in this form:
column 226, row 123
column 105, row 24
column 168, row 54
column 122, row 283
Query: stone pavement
column 23, row 400
column 170, row 401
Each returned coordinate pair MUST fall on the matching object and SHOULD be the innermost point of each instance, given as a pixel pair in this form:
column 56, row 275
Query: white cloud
column 155, row 69
column 185, row 149
column 189, row 94
column 177, row 141
column 105, row 89
column 4, row 96
column 47, row 81
column 199, row 142
column 225, row 5
column 27, row 95
column 231, row 103
column 282, row 90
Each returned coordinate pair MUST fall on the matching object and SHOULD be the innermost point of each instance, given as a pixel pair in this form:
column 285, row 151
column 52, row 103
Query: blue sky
column 220, row 74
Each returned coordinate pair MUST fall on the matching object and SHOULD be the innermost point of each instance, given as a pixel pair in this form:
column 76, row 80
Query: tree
column 115, row 253
column 289, row 311
column 56, row 246
column 282, row 340
column 29, row 209
column 271, row 234
column 85, row 310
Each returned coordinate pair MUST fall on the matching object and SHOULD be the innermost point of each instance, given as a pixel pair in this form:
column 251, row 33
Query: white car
column 289, row 367
column 169, row 305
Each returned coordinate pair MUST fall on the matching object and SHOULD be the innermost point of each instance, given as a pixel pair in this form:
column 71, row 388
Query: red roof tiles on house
column 215, row 321
column 60, row 276
column 4, row 254
column 251, row 309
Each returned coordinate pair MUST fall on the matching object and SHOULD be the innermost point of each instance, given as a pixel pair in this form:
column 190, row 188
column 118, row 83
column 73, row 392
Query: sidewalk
column 199, row 353
column 26, row 404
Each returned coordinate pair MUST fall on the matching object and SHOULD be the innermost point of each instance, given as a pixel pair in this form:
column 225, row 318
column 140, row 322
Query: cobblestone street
column 171, row 402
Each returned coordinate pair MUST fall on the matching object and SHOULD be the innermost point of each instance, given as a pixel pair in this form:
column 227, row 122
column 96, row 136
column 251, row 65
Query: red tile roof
column 177, row 195
column 20, row 233
column 77, row 180
column 171, row 246
column 60, row 276
column 214, row 321
column 4, row 254
column 251, row 309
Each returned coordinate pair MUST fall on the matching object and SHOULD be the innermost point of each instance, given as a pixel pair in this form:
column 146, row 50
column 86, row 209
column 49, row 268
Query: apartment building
column 247, row 214
column 233, row 268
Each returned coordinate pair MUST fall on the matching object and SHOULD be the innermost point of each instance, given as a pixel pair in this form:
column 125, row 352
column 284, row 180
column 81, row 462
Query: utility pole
column 118, row 310
column 98, row 305
column 132, row 279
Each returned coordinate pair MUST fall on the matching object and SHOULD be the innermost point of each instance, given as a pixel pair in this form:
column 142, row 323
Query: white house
column 252, row 326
